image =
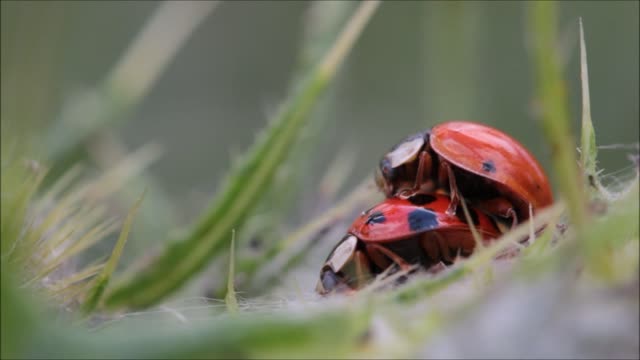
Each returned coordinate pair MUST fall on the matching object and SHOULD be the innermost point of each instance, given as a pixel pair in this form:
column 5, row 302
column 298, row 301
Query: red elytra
column 416, row 230
column 489, row 168
column 397, row 218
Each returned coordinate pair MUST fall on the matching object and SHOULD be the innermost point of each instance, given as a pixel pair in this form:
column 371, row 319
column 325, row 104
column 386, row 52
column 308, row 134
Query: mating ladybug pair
column 425, row 177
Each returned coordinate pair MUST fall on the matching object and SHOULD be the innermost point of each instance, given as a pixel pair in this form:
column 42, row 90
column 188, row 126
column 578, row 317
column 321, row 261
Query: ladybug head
column 340, row 272
column 403, row 153
column 385, row 177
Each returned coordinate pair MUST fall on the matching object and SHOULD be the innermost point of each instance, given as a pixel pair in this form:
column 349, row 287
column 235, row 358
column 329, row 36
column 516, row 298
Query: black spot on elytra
column 376, row 217
column 472, row 213
column 422, row 199
column 488, row 166
column 422, row 219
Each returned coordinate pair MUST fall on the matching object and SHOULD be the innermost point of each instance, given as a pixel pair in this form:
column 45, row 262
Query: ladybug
column 415, row 230
column 491, row 169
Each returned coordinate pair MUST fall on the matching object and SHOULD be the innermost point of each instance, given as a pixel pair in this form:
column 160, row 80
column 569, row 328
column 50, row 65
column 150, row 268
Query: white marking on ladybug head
column 405, row 152
column 343, row 253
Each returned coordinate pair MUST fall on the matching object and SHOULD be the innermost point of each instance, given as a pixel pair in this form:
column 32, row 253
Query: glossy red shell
column 392, row 220
column 492, row 154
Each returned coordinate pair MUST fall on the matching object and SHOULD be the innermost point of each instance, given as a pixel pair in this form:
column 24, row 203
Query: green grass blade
column 280, row 335
column 617, row 228
column 588, row 149
column 18, row 322
column 189, row 254
column 156, row 216
column 77, row 278
column 322, row 22
column 551, row 92
column 102, row 280
column 14, row 205
column 230, row 299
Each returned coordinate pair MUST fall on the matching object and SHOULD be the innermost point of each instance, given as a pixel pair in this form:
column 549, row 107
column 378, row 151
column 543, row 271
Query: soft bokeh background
column 417, row 63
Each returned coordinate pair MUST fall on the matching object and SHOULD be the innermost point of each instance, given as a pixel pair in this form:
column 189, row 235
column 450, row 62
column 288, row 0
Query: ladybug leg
column 430, row 248
column 378, row 254
column 437, row 268
column 445, row 175
column 445, row 254
column 514, row 217
column 502, row 207
column 363, row 268
column 424, row 170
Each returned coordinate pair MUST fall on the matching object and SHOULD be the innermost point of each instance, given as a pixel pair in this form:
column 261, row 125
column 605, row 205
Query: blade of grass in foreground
column 551, row 92
column 28, row 333
column 588, row 149
column 242, row 336
column 191, row 252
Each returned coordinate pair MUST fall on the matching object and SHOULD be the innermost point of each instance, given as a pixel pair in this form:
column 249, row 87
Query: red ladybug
column 484, row 165
column 409, row 231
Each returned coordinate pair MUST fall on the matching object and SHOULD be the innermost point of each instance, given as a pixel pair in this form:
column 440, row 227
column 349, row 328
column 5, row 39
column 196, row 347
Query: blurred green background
column 418, row 63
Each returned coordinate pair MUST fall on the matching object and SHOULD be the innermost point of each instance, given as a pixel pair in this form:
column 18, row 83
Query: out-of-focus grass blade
column 54, row 228
column 18, row 324
column 588, row 149
column 140, row 66
column 230, row 299
column 18, row 187
column 101, row 282
column 78, row 277
column 322, row 23
column 93, row 235
column 27, row 333
column 155, row 216
column 617, row 227
column 84, row 119
column 246, row 336
column 246, row 182
column 551, row 92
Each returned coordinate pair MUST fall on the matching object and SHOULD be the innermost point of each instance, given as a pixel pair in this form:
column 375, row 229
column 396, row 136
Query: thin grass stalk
column 551, row 92
column 102, row 280
column 588, row 148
